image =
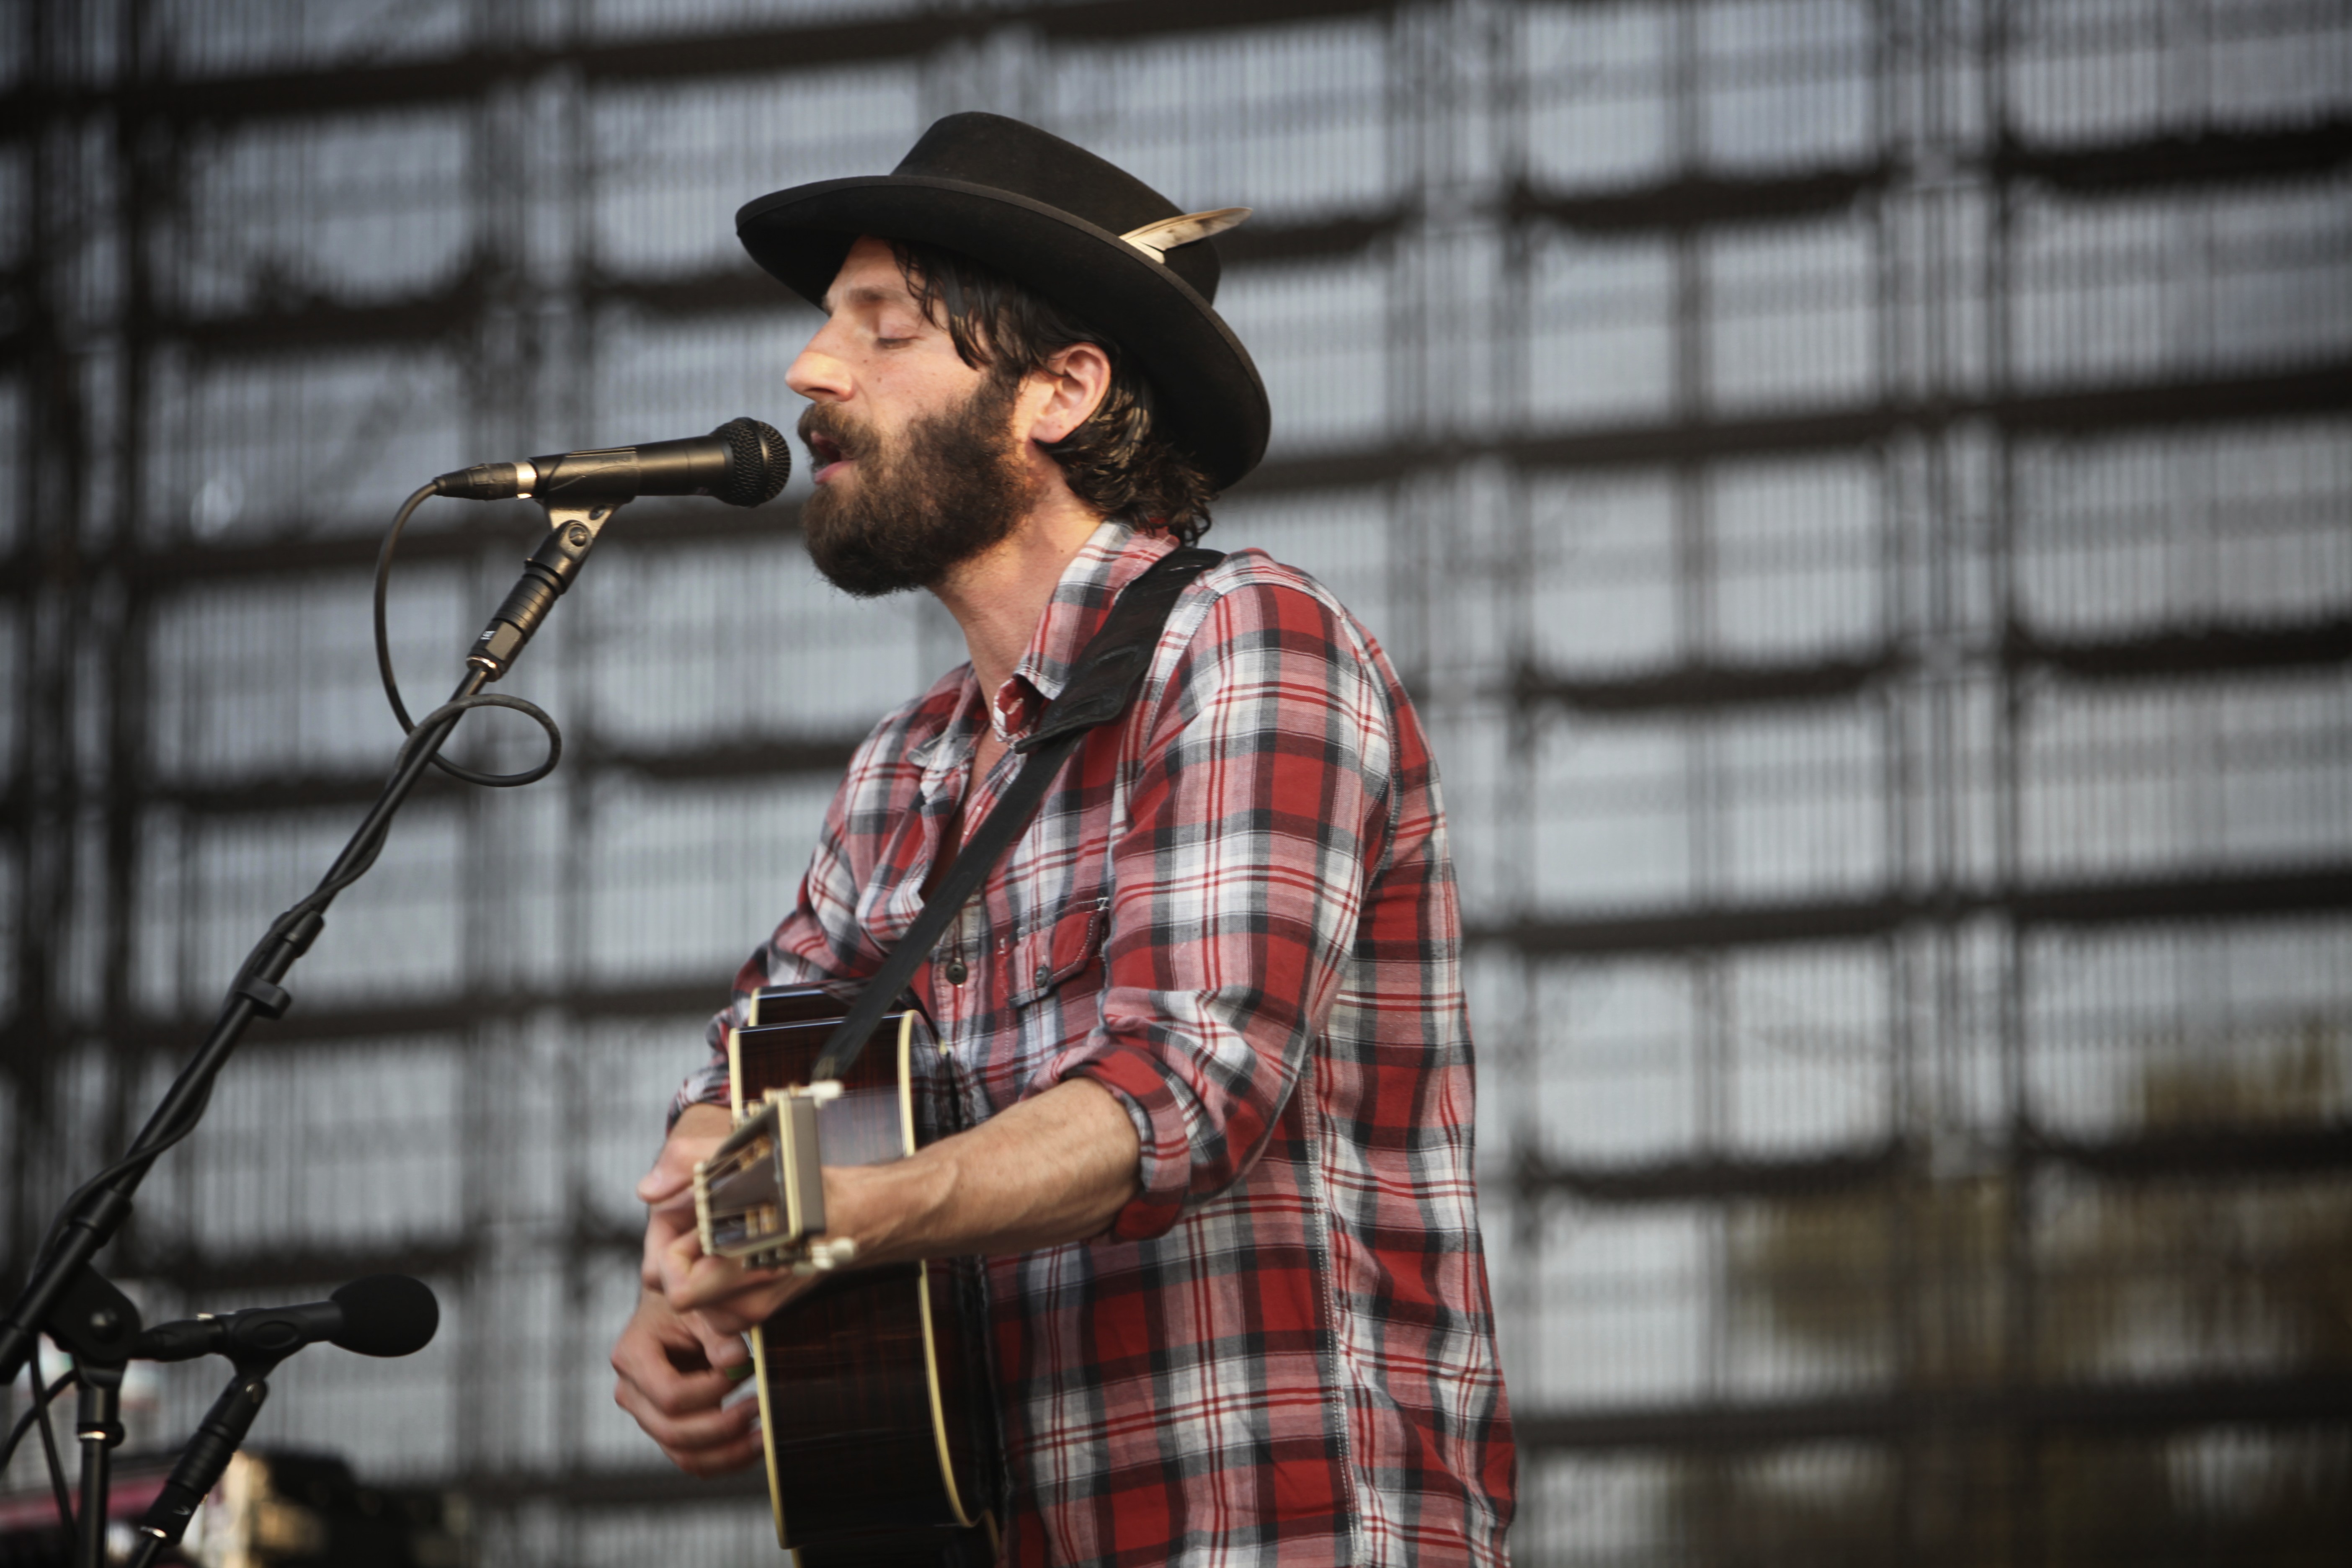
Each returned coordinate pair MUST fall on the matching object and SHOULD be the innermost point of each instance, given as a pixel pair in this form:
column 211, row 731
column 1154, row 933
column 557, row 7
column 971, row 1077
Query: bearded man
column 1207, row 1013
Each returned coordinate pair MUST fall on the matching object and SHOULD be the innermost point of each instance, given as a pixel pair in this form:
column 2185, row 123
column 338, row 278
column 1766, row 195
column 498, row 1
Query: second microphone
column 383, row 1315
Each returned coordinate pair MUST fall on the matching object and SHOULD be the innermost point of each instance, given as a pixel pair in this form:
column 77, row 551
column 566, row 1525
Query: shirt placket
column 961, row 961
column 960, row 966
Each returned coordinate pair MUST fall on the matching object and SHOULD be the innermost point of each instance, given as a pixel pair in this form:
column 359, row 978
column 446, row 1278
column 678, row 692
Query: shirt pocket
column 1056, row 950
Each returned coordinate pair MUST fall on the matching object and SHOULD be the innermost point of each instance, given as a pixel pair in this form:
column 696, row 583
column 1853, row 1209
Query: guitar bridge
column 760, row 1197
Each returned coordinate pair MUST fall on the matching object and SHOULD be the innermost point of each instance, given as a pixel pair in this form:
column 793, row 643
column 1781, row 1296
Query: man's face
column 916, row 463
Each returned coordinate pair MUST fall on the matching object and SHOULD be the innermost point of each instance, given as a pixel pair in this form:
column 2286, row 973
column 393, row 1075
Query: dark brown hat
column 1078, row 231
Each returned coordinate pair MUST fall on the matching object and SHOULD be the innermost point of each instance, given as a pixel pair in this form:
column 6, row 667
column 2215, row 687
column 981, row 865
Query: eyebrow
column 866, row 294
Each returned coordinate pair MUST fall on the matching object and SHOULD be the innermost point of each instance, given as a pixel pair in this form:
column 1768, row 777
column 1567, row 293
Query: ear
column 1066, row 389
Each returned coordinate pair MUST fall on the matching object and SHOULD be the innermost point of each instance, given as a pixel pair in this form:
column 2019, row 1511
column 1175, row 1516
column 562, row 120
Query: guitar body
column 874, row 1399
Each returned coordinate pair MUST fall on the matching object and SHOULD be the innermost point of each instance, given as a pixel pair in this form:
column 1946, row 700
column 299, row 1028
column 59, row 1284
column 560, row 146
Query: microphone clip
column 572, row 530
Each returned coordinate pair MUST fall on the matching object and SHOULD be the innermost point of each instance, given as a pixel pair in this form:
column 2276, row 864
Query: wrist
column 893, row 1211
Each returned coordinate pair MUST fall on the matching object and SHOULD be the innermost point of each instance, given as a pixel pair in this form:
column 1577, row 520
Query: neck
column 999, row 596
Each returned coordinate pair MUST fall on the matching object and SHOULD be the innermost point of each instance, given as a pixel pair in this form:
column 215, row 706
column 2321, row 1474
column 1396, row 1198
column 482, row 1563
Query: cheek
column 912, row 395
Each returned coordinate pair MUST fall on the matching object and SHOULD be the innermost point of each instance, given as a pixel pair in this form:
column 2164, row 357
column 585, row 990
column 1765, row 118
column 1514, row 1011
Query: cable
column 383, row 587
column 392, row 681
column 24, row 1422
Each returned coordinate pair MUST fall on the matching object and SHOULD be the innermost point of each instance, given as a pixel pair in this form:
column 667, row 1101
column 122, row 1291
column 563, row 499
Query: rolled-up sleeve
column 1256, row 820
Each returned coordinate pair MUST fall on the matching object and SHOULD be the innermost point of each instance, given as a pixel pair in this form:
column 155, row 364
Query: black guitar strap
column 1099, row 690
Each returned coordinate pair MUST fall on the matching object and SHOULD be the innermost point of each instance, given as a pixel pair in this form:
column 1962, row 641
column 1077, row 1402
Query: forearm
column 1046, row 1170
column 1050, row 1170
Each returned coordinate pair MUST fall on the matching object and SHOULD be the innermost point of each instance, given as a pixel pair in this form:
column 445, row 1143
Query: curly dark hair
column 1118, row 462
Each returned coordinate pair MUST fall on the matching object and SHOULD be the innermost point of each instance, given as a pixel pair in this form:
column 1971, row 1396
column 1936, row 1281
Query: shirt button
column 956, row 973
column 1044, row 976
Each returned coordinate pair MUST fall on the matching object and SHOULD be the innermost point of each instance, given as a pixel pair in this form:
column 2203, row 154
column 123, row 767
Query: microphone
column 383, row 1315
column 744, row 463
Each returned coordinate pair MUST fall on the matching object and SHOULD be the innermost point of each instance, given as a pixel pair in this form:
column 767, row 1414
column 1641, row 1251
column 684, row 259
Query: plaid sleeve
column 790, row 957
column 1256, row 817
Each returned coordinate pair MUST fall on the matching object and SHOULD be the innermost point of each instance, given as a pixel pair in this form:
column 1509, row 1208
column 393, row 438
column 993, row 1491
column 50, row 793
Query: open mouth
column 825, row 454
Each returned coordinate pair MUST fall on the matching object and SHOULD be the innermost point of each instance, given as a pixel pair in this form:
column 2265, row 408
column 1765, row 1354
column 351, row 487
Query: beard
column 919, row 504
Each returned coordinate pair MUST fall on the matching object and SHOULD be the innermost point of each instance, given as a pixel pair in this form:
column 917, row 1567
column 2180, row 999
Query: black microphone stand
column 98, row 1422
column 201, row 1463
column 63, row 1296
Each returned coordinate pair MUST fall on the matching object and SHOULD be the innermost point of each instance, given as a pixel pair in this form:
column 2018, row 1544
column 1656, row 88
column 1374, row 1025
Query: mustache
column 823, row 424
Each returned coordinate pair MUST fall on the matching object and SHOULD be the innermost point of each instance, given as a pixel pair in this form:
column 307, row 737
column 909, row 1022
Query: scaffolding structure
column 1860, row 490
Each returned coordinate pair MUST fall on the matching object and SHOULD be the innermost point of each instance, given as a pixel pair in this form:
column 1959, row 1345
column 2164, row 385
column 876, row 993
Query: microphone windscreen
column 387, row 1314
column 758, row 462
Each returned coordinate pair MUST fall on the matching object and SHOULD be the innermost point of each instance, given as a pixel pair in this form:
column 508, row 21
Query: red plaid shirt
column 1235, row 911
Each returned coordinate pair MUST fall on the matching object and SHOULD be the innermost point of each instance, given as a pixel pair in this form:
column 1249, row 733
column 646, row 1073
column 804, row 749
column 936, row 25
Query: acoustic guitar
column 876, row 1405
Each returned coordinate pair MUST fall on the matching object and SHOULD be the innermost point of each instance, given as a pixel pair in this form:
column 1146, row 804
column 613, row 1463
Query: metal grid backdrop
column 1860, row 490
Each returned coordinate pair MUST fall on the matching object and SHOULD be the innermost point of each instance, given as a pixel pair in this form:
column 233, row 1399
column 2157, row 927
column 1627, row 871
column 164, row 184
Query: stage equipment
column 274, row 1508
column 382, row 1315
column 742, row 463
column 63, row 1295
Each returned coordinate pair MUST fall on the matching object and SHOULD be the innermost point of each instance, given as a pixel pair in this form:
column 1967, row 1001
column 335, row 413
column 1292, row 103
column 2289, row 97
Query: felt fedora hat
column 1073, row 228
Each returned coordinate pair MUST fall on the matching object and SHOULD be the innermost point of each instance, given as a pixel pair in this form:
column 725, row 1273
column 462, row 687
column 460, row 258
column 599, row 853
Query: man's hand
column 668, row 1193
column 667, row 1383
column 724, row 1296
column 675, row 1366
column 721, row 1297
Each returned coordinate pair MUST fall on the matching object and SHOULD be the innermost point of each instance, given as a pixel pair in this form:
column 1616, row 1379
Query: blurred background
column 1862, row 490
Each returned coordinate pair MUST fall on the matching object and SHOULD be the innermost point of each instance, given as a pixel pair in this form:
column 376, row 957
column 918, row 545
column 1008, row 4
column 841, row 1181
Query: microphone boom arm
column 90, row 1218
column 744, row 463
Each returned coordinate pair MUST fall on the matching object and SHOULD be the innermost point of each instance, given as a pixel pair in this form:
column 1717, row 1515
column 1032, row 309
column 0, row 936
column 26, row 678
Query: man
column 1208, row 1009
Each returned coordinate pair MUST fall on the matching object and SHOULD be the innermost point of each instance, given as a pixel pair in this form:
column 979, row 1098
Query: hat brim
column 1207, row 389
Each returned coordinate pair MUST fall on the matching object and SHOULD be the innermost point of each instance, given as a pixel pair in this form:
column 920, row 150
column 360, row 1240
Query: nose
column 816, row 375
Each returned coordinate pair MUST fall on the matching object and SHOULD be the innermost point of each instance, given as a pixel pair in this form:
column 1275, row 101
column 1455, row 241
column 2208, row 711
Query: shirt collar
column 1113, row 556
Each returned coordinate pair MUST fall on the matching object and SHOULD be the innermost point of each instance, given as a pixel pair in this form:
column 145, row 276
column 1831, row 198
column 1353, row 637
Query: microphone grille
column 387, row 1315
column 761, row 465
